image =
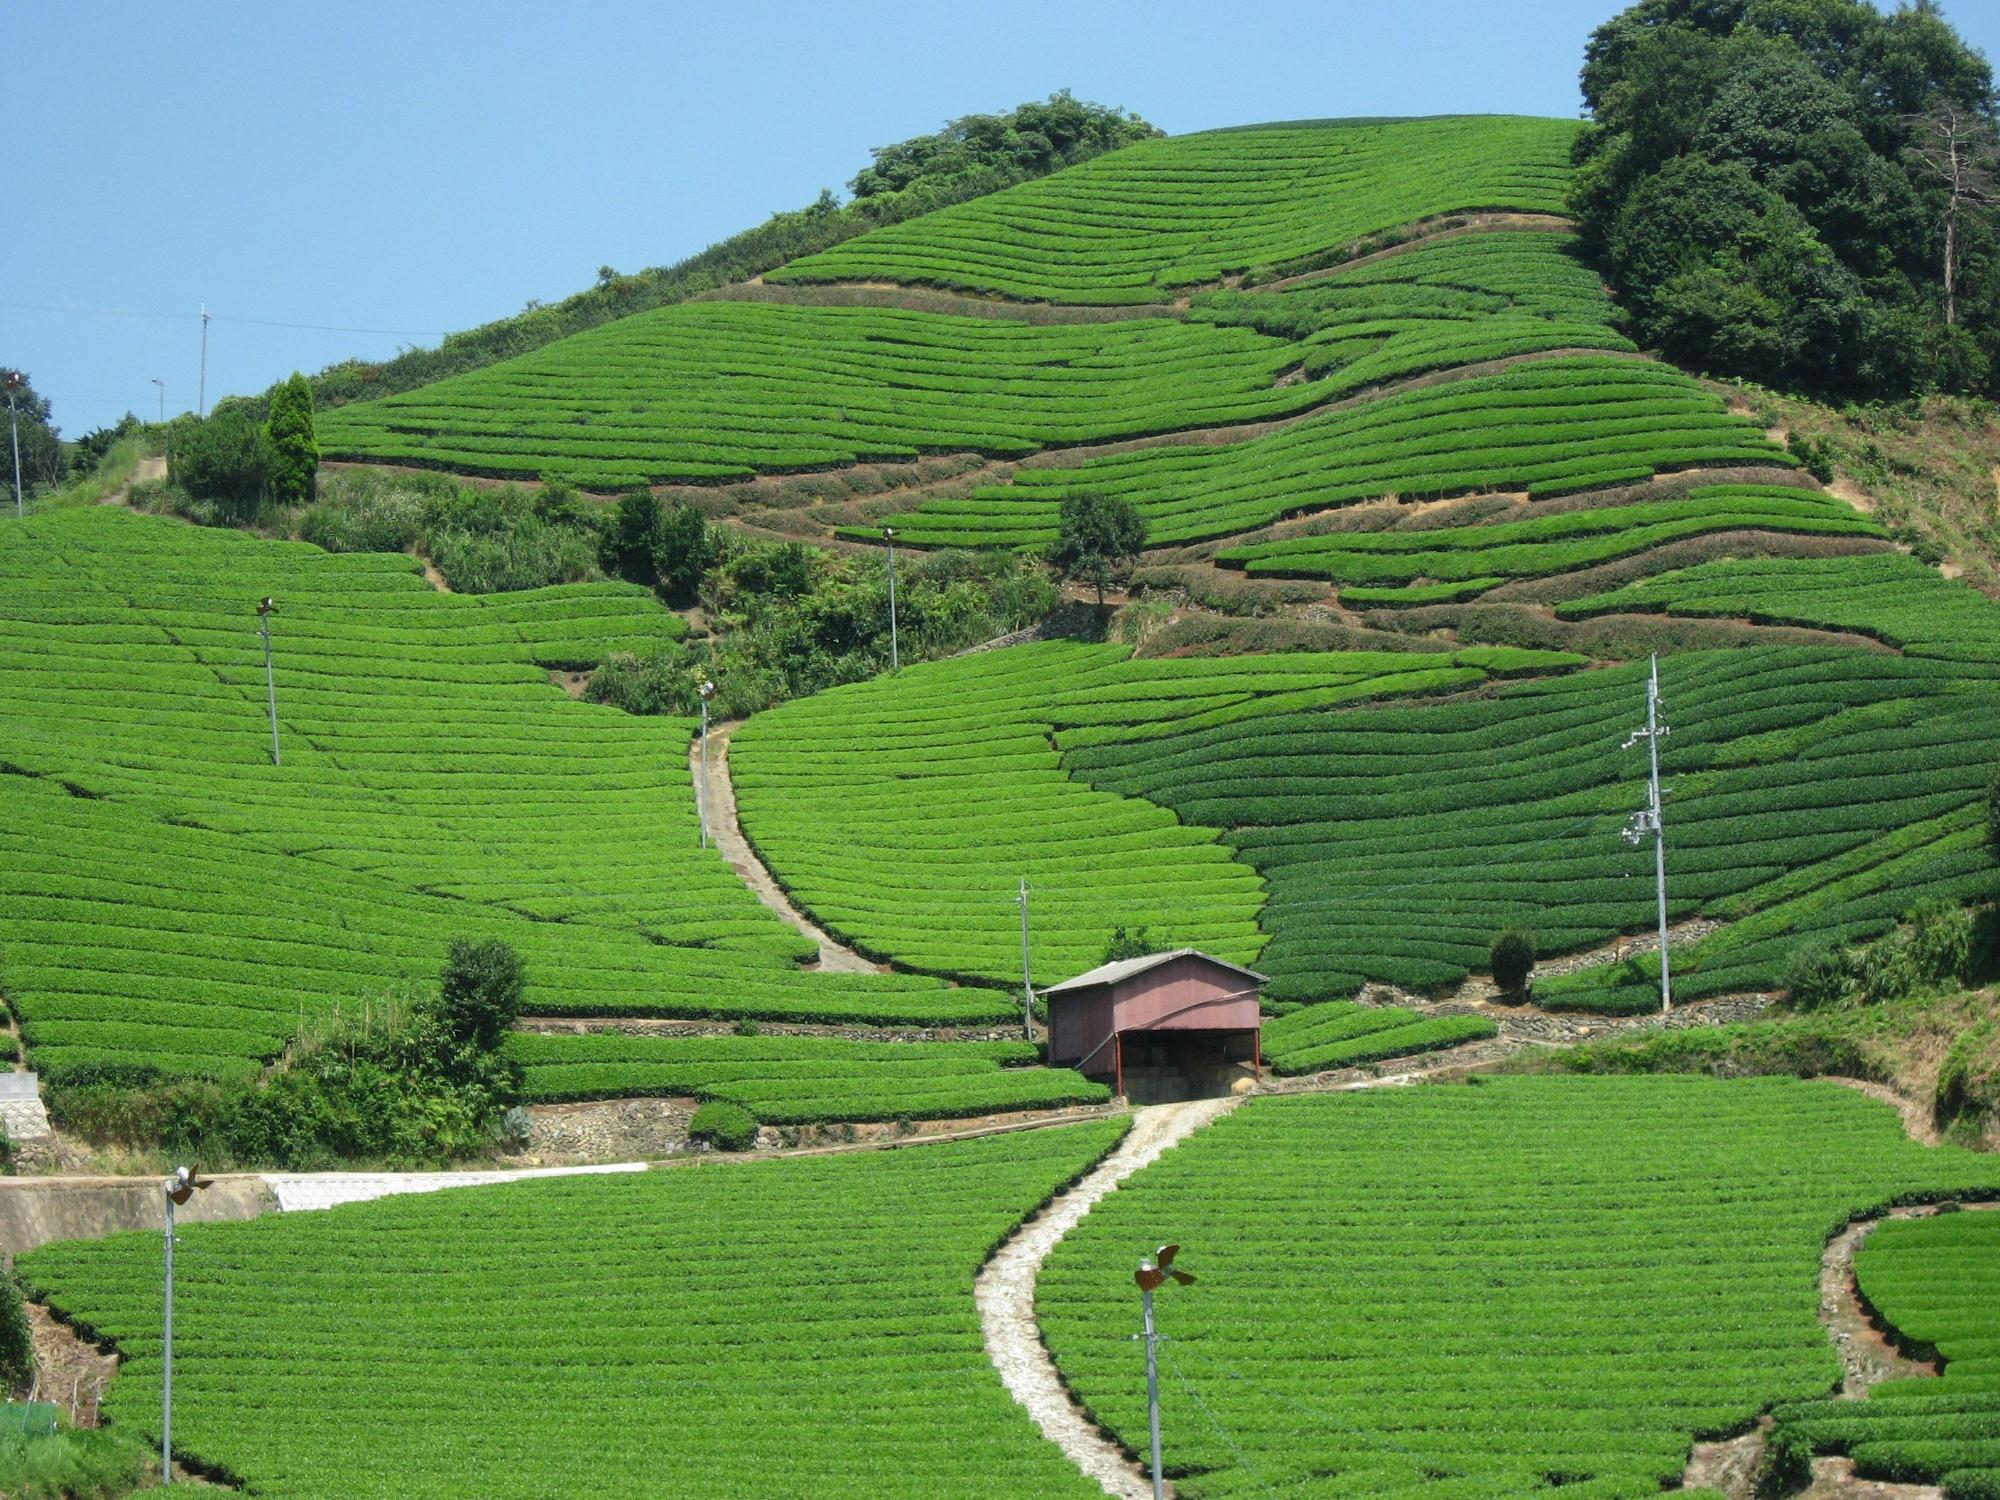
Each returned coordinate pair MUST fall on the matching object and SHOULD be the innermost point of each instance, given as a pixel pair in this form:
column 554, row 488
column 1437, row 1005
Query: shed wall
column 1185, row 995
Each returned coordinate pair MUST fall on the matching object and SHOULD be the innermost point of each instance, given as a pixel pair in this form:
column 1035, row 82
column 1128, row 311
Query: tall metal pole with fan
column 1153, row 1272
column 179, row 1188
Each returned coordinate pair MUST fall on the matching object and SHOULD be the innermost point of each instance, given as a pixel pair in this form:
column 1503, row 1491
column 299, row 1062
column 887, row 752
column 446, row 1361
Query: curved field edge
column 1438, row 1247
column 837, row 1344
column 1281, row 196
column 1931, row 1285
column 903, row 813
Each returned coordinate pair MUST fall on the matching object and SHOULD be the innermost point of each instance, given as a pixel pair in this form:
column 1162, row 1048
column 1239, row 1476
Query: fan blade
column 1166, row 1255
column 1150, row 1278
column 1185, row 1278
column 181, row 1194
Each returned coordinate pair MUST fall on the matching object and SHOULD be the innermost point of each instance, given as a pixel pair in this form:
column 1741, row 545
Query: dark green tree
column 1124, row 945
column 1512, row 959
column 1993, row 815
column 681, row 549
column 1097, row 537
column 292, row 448
column 632, row 539
column 480, row 989
column 1794, row 190
column 42, row 462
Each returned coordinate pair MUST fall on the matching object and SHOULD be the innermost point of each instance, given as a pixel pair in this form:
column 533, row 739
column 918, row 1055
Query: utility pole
column 201, row 400
column 14, row 428
column 1152, row 1274
column 1649, row 819
column 701, row 790
column 1027, row 979
column 889, row 536
column 163, row 399
column 265, row 608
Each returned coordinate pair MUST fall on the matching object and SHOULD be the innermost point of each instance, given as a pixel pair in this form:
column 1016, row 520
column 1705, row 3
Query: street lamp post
column 14, row 428
column 701, row 791
column 889, row 536
column 1152, row 1274
column 179, row 1188
column 265, row 609
column 163, row 399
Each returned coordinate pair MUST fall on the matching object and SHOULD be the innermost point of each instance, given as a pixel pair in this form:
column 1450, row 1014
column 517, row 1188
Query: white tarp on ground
column 309, row 1190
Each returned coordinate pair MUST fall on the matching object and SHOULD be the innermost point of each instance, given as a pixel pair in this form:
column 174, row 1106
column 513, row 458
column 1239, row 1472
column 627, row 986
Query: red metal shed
column 1181, row 1015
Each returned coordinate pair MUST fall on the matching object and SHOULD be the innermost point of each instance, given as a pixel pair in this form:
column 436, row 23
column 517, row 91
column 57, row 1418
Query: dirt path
column 718, row 793
column 149, row 468
column 1005, row 1292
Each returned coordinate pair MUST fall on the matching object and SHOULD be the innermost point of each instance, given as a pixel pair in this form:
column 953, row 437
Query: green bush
column 1512, row 958
column 95, row 1464
column 726, row 1126
column 1941, row 942
column 223, row 461
column 1993, row 815
column 1819, row 974
column 1787, row 1464
column 17, row 1344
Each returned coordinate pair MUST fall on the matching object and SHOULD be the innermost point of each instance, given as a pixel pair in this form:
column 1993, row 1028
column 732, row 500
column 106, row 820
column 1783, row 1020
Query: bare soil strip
column 914, row 298
column 718, row 794
column 1005, row 1292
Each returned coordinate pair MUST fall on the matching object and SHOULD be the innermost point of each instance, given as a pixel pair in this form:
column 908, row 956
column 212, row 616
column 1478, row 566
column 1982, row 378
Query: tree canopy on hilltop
column 1028, row 141
column 1797, row 191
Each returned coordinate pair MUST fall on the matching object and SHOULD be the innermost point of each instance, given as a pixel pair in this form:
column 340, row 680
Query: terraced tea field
column 1936, row 1282
column 901, row 813
column 173, row 902
column 1551, row 426
column 765, row 1329
column 722, row 390
column 1167, row 214
column 1466, row 1291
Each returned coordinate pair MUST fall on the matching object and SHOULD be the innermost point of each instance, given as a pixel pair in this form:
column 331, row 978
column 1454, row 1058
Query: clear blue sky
column 422, row 167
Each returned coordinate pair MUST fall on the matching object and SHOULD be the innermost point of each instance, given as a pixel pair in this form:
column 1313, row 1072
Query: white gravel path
column 1006, row 1296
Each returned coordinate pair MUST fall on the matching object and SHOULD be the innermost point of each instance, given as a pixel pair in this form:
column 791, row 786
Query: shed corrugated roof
column 1125, row 968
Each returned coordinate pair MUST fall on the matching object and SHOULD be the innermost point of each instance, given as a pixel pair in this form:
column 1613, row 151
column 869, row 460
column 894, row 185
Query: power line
column 195, row 317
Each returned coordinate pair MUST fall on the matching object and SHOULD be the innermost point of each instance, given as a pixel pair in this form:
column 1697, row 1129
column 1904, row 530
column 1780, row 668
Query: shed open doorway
column 1165, row 1027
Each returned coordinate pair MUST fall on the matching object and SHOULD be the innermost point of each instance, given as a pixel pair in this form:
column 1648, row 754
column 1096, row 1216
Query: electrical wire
column 112, row 312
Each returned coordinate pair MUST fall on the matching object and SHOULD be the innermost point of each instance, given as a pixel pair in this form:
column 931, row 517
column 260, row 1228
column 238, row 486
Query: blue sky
column 413, row 168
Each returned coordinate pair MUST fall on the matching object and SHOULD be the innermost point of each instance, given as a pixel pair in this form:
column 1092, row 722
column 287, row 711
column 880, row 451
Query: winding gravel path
column 1006, row 1295
column 718, row 792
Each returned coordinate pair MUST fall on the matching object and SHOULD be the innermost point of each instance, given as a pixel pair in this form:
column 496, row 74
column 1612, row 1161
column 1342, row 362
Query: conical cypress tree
column 294, row 449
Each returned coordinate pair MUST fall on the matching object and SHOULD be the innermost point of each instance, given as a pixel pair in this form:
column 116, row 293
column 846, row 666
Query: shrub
column 1887, row 969
column 1512, row 958
column 17, row 1344
column 1819, row 975
column 1815, row 455
column 1941, row 942
column 726, row 1126
column 223, row 461
column 662, row 683
column 1787, row 1464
